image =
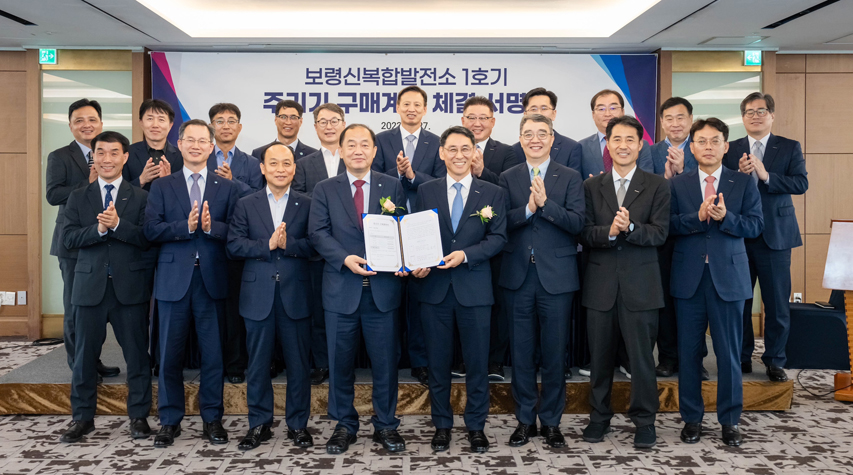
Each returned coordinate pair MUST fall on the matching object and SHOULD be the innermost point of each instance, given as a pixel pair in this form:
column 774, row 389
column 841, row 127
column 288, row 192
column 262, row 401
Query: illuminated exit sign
column 47, row 56
column 752, row 58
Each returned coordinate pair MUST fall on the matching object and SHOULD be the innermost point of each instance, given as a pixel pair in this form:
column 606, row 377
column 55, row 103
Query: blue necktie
column 109, row 197
column 456, row 210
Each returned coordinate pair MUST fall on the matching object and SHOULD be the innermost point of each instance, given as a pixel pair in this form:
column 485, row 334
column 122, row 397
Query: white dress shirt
column 293, row 145
column 85, row 150
column 716, row 174
column 331, row 160
column 482, row 145
column 103, row 185
column 365, row 188
column 277, row 207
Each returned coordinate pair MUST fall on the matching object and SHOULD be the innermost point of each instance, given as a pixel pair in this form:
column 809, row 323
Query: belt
column 532, row 259
column 365, row 282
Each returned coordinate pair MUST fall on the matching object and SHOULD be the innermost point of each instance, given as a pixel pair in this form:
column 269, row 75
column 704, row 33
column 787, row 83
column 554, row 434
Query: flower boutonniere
column 388, row 206
column 485, row 214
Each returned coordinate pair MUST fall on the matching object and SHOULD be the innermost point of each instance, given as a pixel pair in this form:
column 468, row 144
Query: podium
column 838, row 275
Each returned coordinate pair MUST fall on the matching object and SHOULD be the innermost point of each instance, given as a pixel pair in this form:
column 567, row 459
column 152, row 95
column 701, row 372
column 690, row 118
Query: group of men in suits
column 264, row 254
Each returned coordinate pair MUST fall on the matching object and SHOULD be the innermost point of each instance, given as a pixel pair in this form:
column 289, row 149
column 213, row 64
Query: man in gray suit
column 69, row 168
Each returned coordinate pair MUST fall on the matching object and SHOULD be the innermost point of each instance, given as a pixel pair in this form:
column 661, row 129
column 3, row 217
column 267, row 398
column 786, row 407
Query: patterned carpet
column 814, row 437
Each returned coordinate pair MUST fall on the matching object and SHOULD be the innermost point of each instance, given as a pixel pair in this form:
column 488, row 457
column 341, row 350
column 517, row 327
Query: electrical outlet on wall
column 8, row 298
column 798, row 297
column 22, row 297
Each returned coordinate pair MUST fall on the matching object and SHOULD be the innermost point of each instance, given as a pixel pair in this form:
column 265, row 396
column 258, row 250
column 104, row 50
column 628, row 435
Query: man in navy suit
column 244, row 171
column 410, row 153
column 542, row 101
column 778, row 168
column 288, row 121
column 187, row 214
column 357, row 301
column 269, row 229
column 713, row 209
column 458, row 294
column 104, row 222
column 545, row 214
column 153, row 157
column 320, row 165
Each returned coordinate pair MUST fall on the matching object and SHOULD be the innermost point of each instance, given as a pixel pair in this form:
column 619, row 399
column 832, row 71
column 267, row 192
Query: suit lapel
column 211, row 188
column 489, row 153
column 179, row 186
column 726, row 183
column 78, row 158
column 550, row 178
column 341, row 166
column 211, row 164
column 594, row 147
column 291, row 209
column 121, row 198
column 635, row 187
column 262, row 207
column 94, row 194
column 522, row 180
column 420, row 151
column 608, row 191
column 320, row 167
column 345, row 195
column 443, row 205
column 376, row 191
column 472, row 204
column 771, row 152
column 397, row 143
column 555, row 147
column 694, row 189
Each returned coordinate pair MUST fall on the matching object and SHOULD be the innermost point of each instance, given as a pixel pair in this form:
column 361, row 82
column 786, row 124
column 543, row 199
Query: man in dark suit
column 713, row 210
column 410, row 153
column 458, row 294
column 540, row 276
column 69, row 168
column 542, row 101
column 103, row 221
column 153, row 157
column 627, row 218
column 244, row 171
column 357, row 301
column 320, row 165
column 269, row 229
column 778, row 168
column 187, row 214
column 288, row 121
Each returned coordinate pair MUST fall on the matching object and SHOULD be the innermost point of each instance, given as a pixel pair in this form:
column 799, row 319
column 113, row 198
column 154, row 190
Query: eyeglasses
column 474, row 118
column 200, row 142
column 291, row 118
column 221, row 122
column 713, row 142
column 541, row 135
column 333, row 122
column 535, row 109
column 453, row 151
column 753, row 112
column 603, row 109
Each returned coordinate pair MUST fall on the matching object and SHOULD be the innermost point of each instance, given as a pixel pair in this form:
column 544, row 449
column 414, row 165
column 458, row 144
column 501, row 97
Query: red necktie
column 709, row 189
column 608, row 160
column 358, row 199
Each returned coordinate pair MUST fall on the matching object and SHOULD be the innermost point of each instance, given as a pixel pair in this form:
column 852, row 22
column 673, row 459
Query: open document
column 402, row 243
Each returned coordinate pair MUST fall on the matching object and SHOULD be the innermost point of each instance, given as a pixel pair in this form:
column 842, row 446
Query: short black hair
column 412, row 89
column 675, row 101
column 79, row 104
column 479, row 101
column 156, row 105
column 265, row 149
column 755, row 96
column 352, row 126
column 539, row 91
column 628, row 120
column 536, row 118
column 457, row 129
column 195, row 122
column 606, row 92
column 711, row 122
column 224, row 107
column 111, row 137
column 288, row 104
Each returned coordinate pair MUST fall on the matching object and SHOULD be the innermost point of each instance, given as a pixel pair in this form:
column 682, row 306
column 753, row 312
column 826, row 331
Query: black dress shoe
column 254, row 438
column 479, row 441
column 339, row 441
column 553, row 436
column 568, row 374
column 107, row 371
column 421, row 373
column 390, row 439
column 301, row 438
column 100, row 379
column 645, row 437
column 166, row 436
column 76, row 431
column 706, row 376
column 236, row 378
column 458, row 371
column 666, row 369
column 496, row 372
column 441, row 440
column 214, row 432
column 522, row 434
column 731, row 436
column 746, row 367
column 596, row 431
column 777, row 374
column 691, row 433
column 318, row 375
column 139, row 428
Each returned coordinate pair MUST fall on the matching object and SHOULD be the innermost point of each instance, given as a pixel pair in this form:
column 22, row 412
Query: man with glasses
column 288, row 120
column 777, row 166
column 544, row 102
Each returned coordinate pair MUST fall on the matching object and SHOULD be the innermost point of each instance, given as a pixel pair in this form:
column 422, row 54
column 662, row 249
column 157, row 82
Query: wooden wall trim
column 768, row 73
column 138, row 92
column 91, row 60
column 710, row 62
column 34, row 194
column 664, row 85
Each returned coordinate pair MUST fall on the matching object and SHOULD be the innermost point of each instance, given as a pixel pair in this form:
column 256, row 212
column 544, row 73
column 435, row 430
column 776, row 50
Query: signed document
column 402, row 243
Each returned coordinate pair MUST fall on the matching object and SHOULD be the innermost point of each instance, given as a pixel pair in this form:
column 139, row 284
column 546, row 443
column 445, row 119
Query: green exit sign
column 47, row 56
column 752, row 58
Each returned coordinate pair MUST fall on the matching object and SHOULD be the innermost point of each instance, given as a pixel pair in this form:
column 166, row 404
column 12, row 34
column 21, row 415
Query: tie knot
column 622, row 182
column 479, row 147
column 109, row 188
column 359, row 183
column 411, row 138
column 195, row 177
column 710, row 179
column 458, row 186
column 535, row 171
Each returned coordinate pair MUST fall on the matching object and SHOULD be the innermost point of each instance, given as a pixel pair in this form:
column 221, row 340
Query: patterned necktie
column 608, row 160
column 109, row 196
column 456, row 209
column 410, row 147
column 358, row 200
column 620, row 193
column 758, row 151
column 89, row 159
column 195, row 191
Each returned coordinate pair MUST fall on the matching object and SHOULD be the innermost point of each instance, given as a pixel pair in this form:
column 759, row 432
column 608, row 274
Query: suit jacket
column 118, row 252
column 661, row 149
column 166, row 223
column 587, row 155
column 336, row 233
column 248, row 238
column 783, row 160
column 628, row 264
column 67, row 170
column 561, row 151
column 245, row 172
column 551, row 231
column 301, row 151
column 138, row 156
column 471, row 281
column 497, row 158
column 426, row 163
column 721, row 241
column 312, row 170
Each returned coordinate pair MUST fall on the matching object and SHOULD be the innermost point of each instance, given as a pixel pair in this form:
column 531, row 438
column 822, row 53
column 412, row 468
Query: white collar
column 271, row 195
column 482, row 144
column 352, row 178
column 405, row 133
column 189, row 173
column 629, row 176
column 116, row 183
column 327, row 152
column 763, row 141
column 466, row 181
column 717, row 173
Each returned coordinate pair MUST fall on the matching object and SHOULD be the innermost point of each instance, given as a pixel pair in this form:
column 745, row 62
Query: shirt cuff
column 466, row 257
column 612, row 238
column 767, row 181
column 527, row 213
column 116, row 226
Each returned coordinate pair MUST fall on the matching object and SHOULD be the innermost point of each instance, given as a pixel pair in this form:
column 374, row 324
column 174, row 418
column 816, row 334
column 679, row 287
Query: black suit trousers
column 772, row 269
column 232, row 329
column 66, row 266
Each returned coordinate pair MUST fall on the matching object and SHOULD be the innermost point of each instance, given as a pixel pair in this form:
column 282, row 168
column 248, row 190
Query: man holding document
column 356, row 299
column 458, row 293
